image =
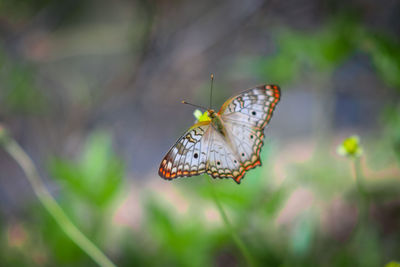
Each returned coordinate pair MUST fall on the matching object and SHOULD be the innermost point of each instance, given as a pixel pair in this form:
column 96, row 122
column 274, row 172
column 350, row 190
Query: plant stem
column 235, row 237
column 364, row 199
column 25, row 162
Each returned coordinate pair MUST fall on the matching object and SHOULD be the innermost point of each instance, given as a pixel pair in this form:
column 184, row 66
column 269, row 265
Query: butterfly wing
column 245, row 117
column 188, row 156
column 201, row 149
column 253, row 107
column 222, row 159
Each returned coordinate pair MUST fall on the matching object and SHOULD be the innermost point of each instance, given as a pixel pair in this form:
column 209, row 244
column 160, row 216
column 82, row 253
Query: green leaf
column 385, row 55
column 97, row 176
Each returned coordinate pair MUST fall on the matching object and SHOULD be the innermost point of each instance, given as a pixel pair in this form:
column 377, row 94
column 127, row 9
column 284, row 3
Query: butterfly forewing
column 253, row 107
column 189, row 154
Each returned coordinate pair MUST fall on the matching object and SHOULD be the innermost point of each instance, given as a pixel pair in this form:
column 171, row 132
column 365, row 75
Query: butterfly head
column 211, row 113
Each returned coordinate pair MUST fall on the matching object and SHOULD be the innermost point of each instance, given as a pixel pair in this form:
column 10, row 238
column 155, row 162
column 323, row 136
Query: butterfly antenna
column 197, row 106
column 212, row 82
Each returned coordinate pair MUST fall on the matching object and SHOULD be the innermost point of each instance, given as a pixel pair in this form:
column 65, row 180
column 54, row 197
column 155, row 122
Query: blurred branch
column 49, row 203
column 235, row 237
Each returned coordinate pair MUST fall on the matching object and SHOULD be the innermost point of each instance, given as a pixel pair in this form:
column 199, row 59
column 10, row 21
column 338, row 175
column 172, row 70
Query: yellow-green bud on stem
column 350, row 147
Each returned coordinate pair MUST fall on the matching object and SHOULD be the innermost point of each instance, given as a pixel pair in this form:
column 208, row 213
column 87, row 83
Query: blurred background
column 91, row 90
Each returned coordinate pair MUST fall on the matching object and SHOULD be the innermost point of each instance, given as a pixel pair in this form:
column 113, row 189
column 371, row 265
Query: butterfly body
column 217, row 122
column 229, row 143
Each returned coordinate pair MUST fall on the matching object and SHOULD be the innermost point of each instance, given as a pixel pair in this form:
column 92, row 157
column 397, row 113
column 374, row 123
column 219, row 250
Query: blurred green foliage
column 385, row 54
column 22, row 11
column 96, row 177
column 91, row 184
column 89, row 188
column 299, row 53
column 19, row 93
column 391, row 119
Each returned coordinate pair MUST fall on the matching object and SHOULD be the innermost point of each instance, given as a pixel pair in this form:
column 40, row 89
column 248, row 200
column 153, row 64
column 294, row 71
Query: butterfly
column 228, row 143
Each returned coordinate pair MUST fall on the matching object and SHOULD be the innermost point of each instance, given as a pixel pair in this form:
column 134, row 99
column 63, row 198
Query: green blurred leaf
column 301, row 52
column 19, row 91
column 91, row 184
column 392, row 130
column 97, row 176
column 275, row 201
column 181, row 241
column 385, row 54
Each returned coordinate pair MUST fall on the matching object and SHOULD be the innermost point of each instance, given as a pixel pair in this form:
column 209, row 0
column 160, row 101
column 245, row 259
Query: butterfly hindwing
column 223, row 162
column 247, row 141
